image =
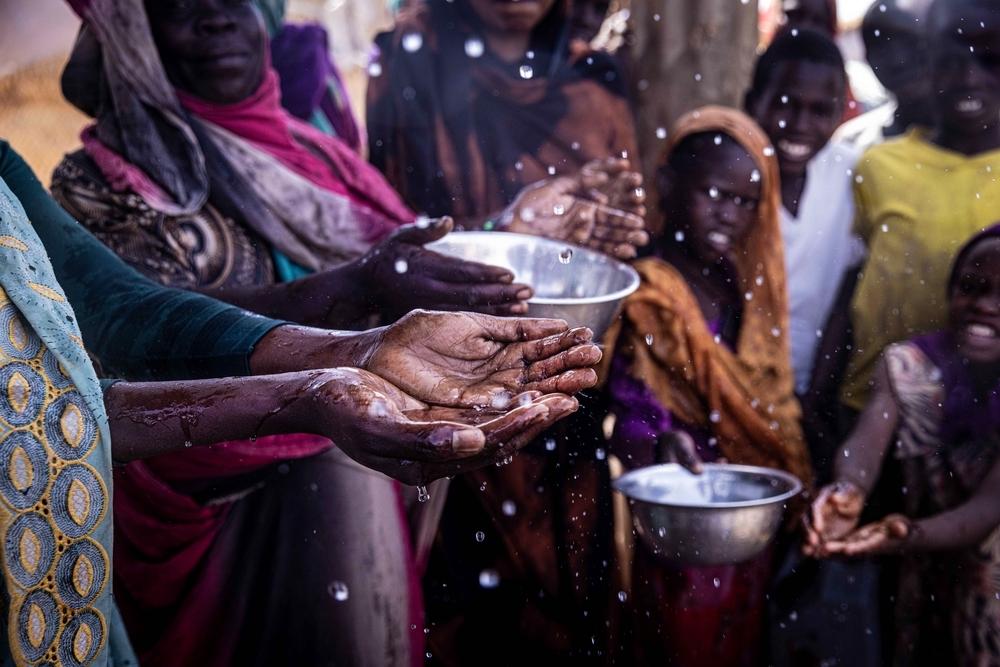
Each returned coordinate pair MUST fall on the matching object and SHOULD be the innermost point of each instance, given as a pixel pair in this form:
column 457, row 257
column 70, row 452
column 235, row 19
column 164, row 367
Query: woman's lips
column 720, row 241
column 976, row 330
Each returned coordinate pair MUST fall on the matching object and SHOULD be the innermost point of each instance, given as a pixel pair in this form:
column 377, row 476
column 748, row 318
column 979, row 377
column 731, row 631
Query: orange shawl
column 746, row 398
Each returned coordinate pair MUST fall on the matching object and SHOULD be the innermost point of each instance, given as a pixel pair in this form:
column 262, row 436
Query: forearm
column 860, row 458
column 964, row 526
column 148, row 419
column 338, row 297
column 292, row 348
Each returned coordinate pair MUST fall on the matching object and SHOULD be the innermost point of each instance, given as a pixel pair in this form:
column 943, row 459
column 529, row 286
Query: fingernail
column 468, row 441
column 524, row 294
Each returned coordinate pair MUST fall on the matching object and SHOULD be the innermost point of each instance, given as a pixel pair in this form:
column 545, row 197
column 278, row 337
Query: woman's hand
column 384, row 428
column 467, row 360
column 678, row 447
column 888, row 536
column 833, row 515
column 403, row 275
column 581, row 209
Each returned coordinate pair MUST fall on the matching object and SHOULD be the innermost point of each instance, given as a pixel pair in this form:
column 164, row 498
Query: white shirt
column 819, row 249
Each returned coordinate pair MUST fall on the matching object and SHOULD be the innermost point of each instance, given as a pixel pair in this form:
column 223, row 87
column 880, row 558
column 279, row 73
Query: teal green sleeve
column 136, row 328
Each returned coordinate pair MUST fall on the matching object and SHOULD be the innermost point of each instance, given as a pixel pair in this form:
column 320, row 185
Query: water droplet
column 558, row 209
column 697, row 76
column 769, row 151
column 716, row 582
column 775, row 331
column 526, row 71
column 717, row 140
column 509, row 508
column 713, row 192
column 714, row 417
column 782, row 123
column 375, row 69
column 755, row 176
column 474, row 47
column 480, row 536
column 575, row 145
column 338, row 591
column 412, row 41
column 759, row 280
column 551, row 171
column 550, row 444
column 600, row 454
column 489, row 578
column 622, row 596
column 784, row 99
column 423, row 495
column 859, row 179
column 649, row 339
column 885, row 227
column 748, row 296
column 188, row 443
column 661, row 133
column 500, row 400
column 401, row 266
column 678, row 236
column 422, row 222
column 565, row 256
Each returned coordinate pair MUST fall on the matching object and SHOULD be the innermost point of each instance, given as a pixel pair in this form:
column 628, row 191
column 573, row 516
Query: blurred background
column 686, row 53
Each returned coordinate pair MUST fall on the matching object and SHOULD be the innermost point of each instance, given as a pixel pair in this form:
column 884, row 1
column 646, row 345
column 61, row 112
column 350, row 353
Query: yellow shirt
column 917, row 204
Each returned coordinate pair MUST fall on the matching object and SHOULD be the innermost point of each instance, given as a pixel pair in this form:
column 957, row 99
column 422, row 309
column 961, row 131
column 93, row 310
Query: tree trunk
column 687, row 53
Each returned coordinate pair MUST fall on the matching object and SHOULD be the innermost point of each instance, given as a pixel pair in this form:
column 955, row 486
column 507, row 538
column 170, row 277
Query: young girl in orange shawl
column 702, row 371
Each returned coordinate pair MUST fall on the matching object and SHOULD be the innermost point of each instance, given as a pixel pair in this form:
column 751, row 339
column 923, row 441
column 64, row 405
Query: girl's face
column 716, row 201
column 506, row 16
column 974, row 306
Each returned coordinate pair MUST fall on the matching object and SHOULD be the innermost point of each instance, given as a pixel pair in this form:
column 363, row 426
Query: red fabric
column 261, row 120
column 162, row 536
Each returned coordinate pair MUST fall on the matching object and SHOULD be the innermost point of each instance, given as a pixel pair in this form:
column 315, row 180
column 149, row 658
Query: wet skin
column 965, row 68
column 432, row 395
column 713, row 205
column 800, row 109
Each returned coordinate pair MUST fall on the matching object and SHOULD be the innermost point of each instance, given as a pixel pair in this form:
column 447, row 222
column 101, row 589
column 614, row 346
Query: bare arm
column 966, row 525
column 861, row 456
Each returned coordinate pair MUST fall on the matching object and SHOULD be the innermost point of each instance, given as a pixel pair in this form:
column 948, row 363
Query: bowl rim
column 619, row 265
column 792, row 480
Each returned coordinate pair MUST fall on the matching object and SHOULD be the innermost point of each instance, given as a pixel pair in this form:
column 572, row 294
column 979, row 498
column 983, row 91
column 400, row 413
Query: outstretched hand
column 384, row 428
column 833, row 515
column 404, row 275
column 600, row 207
column 469, row 360
column 888, row 536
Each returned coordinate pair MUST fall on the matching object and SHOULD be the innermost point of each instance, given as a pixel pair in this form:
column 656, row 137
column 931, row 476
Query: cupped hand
column 833, row 515
column 678, row 447
column 887, row 536
column 468, row 359
column 384, row 428
column 575, row 210
column 611, row 181
column 404, row 275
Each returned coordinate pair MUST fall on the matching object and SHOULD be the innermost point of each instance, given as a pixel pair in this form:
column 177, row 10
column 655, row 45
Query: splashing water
column 338, row 591
column 489, row 578
column 566, row 256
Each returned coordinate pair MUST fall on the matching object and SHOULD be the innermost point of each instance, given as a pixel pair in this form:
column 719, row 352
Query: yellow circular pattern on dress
column 53, row 576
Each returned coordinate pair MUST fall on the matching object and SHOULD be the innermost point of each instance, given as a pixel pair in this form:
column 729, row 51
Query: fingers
column 434, row 293
column 520, row 329
column 557, row 407
column 423, row 231
column 613, row 217
column 680, row 448
column 635, row 237
column 551, row 345
column 818, row 509
column 579, row 356
column 454, row 270
column 570, row 382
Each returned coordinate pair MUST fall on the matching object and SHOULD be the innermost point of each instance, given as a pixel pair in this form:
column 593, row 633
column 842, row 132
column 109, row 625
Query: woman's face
column 974, row 307
column 212, row 49
column 511, row 15
column 717, row 200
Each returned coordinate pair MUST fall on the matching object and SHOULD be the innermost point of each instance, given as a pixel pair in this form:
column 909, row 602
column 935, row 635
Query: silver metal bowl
column 581, row 286
column 727, row 514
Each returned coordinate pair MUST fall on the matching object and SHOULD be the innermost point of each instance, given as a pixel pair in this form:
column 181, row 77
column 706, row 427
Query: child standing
column 940, row 393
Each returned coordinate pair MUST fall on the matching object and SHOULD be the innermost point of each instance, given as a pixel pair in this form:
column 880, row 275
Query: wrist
column 292, row 348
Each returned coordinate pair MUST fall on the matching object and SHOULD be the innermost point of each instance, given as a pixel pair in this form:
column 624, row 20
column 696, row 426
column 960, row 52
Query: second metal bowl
column 727, row 514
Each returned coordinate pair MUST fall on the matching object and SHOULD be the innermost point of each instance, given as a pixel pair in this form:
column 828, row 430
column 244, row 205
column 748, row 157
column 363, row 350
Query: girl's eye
column 970, row 285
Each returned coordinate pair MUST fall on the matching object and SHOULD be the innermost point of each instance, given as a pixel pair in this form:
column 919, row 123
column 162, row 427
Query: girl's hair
column 992, row 232
column 794, row 45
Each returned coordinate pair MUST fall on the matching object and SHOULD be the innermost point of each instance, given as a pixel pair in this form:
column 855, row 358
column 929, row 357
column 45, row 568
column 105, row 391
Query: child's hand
column 833, row 515
column 678, row 447
column 888, row 536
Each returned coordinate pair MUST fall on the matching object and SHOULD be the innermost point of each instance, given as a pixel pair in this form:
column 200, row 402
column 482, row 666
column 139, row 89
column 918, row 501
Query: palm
column 836, row 511
column 466, row 360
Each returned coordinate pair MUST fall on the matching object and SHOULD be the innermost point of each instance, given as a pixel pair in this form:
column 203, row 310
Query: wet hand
column 611, row 181
column 385, row 429
column 404, row 275
column 472, row 360
column 832, row 516
column 888, row 536
column 575, row 210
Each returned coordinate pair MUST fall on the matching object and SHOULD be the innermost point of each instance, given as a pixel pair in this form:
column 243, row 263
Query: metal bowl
column 727, row 514
column 571, row 283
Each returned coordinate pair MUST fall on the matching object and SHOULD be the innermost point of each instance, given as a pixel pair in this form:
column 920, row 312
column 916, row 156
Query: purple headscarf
column 968, row 414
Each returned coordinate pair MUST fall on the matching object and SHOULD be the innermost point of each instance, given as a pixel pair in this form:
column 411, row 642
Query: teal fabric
column 136, row 328
column 30, row 282
column 286, row 269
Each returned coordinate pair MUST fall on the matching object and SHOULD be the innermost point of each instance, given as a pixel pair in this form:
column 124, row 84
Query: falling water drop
column 509, row 508
column 401, row 266
column 412, row 42
column 526, row 71
column 480, row 536
column 338, row 591
column 474, row 47
column 423, row 495
column 489, row 578
column 566, row 255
